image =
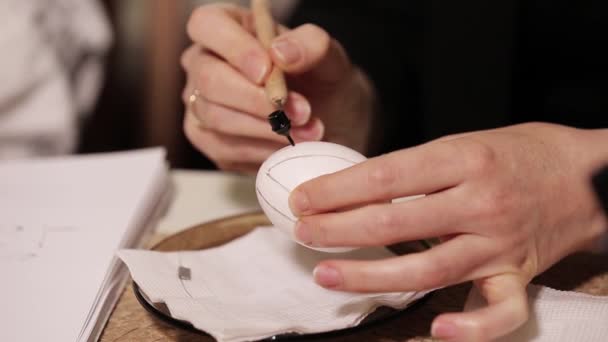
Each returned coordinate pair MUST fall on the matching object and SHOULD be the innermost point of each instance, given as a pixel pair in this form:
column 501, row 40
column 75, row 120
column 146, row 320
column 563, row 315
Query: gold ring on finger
column 192, row 99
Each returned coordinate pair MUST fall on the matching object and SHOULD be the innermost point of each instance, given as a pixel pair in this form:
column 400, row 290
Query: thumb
column 507, row 309
column 309, row 49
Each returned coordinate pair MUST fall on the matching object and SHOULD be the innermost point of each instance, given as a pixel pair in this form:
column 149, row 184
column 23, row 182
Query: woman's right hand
column 226, row 67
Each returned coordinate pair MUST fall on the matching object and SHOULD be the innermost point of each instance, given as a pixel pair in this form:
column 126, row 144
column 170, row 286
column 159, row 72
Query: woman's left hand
column 506, row 203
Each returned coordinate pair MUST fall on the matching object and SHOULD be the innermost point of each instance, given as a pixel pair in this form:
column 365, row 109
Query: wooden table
column 129, row 321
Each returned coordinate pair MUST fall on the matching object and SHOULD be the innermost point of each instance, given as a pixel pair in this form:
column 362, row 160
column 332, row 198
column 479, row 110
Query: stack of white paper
column 61, row 222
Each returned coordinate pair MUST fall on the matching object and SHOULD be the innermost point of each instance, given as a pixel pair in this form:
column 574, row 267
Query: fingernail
column 286, row 51
column 443, row 330
column 320, row 127
column 298, row 202
column 303, row 233
column 327, row 276
column 301, row 109
column 255, row 68
column 312, row 131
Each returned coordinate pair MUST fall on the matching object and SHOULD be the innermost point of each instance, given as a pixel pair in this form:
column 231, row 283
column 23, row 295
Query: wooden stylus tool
column 276, row 88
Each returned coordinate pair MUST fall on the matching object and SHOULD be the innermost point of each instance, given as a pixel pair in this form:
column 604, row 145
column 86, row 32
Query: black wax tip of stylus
column 280, row 124
column 600, row 185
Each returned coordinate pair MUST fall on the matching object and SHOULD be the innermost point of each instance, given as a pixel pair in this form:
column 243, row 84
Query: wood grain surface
column 129, row 321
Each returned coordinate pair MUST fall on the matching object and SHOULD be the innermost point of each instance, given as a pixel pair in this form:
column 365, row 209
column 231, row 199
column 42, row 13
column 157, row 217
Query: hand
column 329, row 98
column 506, row 203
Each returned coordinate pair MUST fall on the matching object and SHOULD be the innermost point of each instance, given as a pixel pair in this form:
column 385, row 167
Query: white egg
column 291, row 166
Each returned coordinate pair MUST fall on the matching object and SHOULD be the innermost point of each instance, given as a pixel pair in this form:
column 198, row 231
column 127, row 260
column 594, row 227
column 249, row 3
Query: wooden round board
column 222, row 231
column 213, row 233
column 129, row 321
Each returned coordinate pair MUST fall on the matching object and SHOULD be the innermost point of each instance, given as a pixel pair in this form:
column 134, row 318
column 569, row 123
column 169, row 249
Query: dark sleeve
column 384, row 39
column 561, row 73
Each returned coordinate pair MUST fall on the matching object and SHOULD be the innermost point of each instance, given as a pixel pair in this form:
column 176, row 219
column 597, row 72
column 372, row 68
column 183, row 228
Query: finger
column 297, row 107
column 219, row 83
column 188, row 56
column 190, row 112
column 449, row 263
column 225, row 148
column 219, row 28
column 229, row 121
column 309, row 48
column 232, row 122
column 420, row 170
column 313, row 130
column 384, row 224
column 507, row 309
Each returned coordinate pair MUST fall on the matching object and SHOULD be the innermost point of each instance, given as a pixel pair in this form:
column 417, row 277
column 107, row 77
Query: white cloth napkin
column 254, row 287
column 557, row 316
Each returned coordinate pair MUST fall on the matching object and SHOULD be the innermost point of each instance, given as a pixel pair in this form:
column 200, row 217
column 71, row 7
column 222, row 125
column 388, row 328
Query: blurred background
column 91, row 76
column 140, row 101
column 487, row 64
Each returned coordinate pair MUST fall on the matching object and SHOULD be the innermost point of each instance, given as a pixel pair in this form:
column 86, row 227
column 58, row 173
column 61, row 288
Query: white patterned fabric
column 557, row 316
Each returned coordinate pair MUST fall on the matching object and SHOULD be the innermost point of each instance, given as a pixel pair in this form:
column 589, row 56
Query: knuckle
column 258, row 103
column 387, row 225
column 242, row 153
column 525, row 257
column 479, row 158
column 449, row 137
column 387, row 218
column 198, row 21
column 320, row 47
column 383, row 176
column 320, row 35
column 207, row 81
column 184, row 59
column 195, row 19
column 434, row 274
column 431, row 272
column 185, row 95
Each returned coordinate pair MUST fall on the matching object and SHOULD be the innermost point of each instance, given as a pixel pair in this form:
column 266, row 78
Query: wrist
column 594, row 155
column 596, row 145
